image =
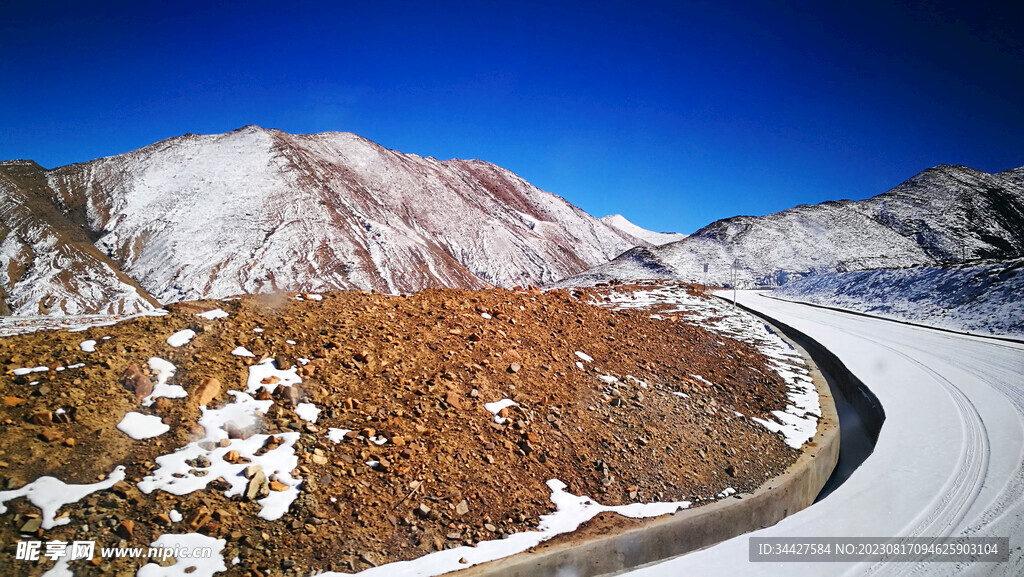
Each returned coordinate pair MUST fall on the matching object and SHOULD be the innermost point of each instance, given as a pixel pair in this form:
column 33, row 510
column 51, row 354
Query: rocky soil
column 410, row 372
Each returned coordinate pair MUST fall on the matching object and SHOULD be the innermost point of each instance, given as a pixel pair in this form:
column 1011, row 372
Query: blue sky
column 674, row 114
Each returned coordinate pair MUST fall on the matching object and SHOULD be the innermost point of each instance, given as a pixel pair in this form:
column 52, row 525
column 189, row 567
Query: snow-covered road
column 948, row 461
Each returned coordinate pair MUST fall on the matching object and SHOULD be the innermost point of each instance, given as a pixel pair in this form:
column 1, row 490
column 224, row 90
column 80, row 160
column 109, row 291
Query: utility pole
column 704, row 287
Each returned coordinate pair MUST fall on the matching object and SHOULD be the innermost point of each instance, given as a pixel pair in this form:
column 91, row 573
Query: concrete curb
column 691, row 529
column 856, row 392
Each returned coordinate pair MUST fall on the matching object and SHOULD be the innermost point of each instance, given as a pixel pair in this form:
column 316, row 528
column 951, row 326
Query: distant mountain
column 257, row 210
column 944, row 214
column 655, row 238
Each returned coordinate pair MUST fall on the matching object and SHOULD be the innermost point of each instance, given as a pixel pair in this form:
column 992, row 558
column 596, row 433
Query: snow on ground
column 213, row 315
column 307, row 412
column 267, row 376
column 20, row 372
column 242, row 352
column 164, row 370
column 981, row 298
column 176, row 476
column 191, row 566
column 947, row 461
column 88, row 346
column 571, row 512
column 799, row 421
column 336, row 435
column 181, row 338
column 76, row 323
column 139, row 426
column 30, row 370
column 50, row 494
column 496, row 407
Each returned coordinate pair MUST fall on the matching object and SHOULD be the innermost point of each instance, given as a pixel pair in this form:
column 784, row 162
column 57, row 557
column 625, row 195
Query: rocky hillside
column 255, row 210
column 944, row 214
column 301, row 434
column 49, row 263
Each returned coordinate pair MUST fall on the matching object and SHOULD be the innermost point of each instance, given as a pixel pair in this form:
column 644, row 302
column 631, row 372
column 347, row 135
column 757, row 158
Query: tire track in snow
column 963, row 489
column 1002, row 516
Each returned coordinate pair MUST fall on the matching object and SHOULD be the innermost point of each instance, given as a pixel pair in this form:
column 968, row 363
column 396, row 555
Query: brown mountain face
column 254, row 210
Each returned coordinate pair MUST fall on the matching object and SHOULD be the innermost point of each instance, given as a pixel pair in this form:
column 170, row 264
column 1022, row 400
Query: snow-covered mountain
column 944, row 214
column 256, row 210
column 48, row 264
column 982, row 297
column 655, row 238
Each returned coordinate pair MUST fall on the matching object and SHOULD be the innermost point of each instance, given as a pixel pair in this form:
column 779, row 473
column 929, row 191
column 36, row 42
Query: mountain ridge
column 946, row 213
column 655, row 238
column 257, row 210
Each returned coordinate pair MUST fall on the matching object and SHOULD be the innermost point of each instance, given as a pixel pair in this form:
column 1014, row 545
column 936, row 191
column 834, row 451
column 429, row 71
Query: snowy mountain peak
column 655, row 238
column 257, row 210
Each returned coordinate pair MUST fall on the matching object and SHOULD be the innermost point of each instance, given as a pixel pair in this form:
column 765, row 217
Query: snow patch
column 337, row 435
column 584, row 357
column 139, row 426
column 164, row 370
column 266, row 375
column 571, row 512
column 307, row 412
column 187, row 566
column 496, row 407
column 181, row 338
column 176, row 476
column 50, row 494
column 213, row 315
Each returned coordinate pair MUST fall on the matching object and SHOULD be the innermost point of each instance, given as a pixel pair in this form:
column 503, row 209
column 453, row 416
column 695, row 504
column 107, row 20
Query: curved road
column 949, row 459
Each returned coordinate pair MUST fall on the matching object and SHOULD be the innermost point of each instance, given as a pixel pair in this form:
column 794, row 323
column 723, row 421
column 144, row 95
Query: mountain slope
column 257, row 210
column 982, row 297
column 944, row 214
column 656, row 238
column 47, row 263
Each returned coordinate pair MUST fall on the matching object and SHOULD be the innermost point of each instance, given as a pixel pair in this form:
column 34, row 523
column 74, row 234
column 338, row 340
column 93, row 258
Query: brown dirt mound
column 416, row 370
